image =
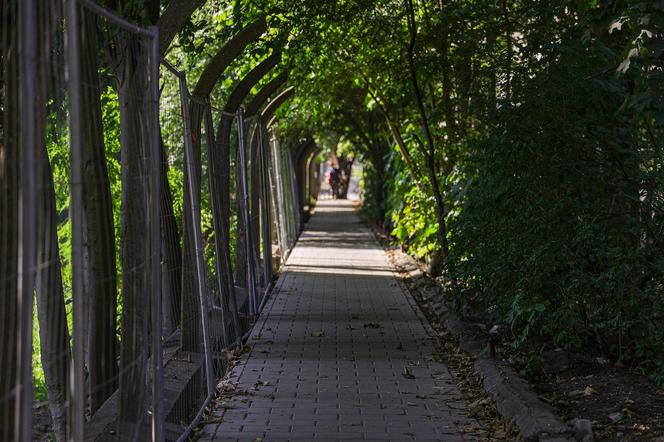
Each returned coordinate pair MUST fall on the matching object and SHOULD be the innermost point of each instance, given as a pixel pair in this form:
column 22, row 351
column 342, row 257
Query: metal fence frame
column 198, row 246
column 77, row 412
column 278, row 195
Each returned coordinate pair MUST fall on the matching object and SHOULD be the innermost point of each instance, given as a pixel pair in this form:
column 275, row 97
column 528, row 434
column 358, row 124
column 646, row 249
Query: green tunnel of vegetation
column 514, row 145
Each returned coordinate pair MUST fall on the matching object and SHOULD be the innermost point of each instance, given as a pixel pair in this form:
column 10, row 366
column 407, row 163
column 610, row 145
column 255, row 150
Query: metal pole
column 155, row 239
column 251, row 286
column 279, row 200
column 218, row 262
column 295, row 195
column 274, row 192
column 77, row 382
column 265, row 207
column 105, row 14
column 30, row 71
column 288, row 198
column 306, row 184
column 284, row 197
column 185, row 99
column 254, row 211
column 198, row 242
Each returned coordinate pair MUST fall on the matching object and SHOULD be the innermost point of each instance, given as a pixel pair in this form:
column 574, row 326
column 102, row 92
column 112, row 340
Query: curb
column 515, row 400
column 514, row 397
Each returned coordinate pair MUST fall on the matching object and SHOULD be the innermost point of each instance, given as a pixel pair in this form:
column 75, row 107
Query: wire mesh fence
column 116, row 214
column 117, row 377
column 285, row 196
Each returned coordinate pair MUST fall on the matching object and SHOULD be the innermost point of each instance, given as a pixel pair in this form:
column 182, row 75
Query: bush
column 555, row 235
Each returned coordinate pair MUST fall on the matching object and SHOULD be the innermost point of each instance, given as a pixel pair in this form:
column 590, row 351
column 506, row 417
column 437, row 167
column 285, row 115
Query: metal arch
column 308, row 173
column 243, row 88
column 267, row 114
column 227, row 54
column 302, row 152
column 304, row 147
column 265, row 93
column 221, row 156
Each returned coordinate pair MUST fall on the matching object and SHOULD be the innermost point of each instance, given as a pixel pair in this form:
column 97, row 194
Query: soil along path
column 340, row 352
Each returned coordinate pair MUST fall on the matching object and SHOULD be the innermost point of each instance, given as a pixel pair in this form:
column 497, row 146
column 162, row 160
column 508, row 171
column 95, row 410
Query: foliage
column 547, row 121
column 557, row 233
column 547, row 124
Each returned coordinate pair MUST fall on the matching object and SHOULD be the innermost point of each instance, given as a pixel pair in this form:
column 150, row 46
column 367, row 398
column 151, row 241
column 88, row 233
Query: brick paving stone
column 332, row 344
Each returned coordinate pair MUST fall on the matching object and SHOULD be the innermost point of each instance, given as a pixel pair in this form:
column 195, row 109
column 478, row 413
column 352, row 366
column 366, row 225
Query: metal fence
column 141, row 281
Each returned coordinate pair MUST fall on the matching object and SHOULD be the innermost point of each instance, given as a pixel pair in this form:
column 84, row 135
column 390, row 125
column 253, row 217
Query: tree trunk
column 191, row 312
column 220, row 201
column 429, row 151
column 171, row 253
column 396, row 134
column 254, row 202
column 101, row 277
column 133, row 87
column 220, row 195
column 345, row 170
column 378, row 160
column 241, row 239
column 9, row 226
column 53, row 332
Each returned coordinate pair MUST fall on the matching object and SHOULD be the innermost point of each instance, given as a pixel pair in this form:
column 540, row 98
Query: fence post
column 265, row 207
column 278, row 200
column 198, row 242
column 296, row 195
column 220, row 224
column 77, row 413
column 155, row 240
column 287, row 194
column 251, row 281
column 29, row 72
column 218, row 262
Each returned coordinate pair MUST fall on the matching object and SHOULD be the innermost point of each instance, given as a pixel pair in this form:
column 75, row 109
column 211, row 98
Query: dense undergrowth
column 554, row 198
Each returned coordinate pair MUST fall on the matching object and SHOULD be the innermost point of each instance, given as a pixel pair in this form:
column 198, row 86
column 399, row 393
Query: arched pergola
column 267, row 115
column 304, row 172
column 259, row 167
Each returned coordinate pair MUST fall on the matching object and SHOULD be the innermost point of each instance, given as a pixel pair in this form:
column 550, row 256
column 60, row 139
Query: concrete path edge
column 514, row 397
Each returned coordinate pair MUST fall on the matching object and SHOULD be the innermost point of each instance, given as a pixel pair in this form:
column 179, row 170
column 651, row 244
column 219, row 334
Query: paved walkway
column 339, row 352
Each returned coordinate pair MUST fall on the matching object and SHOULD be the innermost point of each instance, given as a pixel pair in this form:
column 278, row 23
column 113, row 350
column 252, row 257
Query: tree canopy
column 515, row 144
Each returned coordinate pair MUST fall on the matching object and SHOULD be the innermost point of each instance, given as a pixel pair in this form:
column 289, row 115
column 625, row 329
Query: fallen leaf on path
column 476, row 407
column 588, row 391
column 408, row 373
column 317, row 334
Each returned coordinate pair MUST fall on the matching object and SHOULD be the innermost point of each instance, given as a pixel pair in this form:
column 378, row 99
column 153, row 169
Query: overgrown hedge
column 556, row 212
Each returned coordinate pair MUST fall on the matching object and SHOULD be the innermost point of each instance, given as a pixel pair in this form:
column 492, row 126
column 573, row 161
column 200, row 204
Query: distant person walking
column 333, row 181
